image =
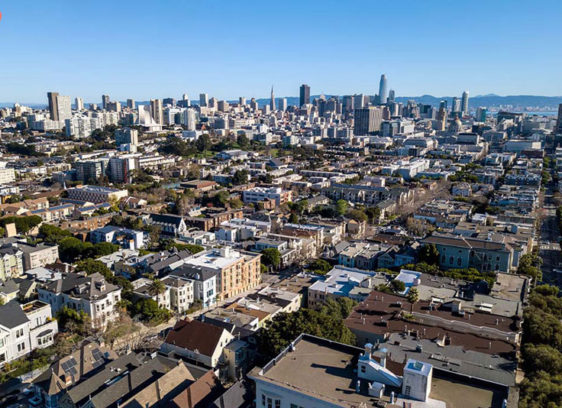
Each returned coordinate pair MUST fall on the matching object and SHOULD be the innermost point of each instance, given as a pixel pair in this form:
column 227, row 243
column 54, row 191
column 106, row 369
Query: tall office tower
column 53, row 105
column 169, row 101
column 64, row 108
column 382, row 89
column 156, row 111
column 185, row 97
column 481, row 114
column 391, row 95
column 358, row 101
column 203, row 99
column 442, row 118
column 104, row 101
column 443, row 104
column 254, row 104
column 283, row 104
column 272, row 100
column 558, row 129
column 223, row 106
column 464, row 103
column 184, row 102
column 131, row 103
column 304, row 95
column 367, row 120
column 79, row 104
column 114, row 106
column 242, row 101
column 347, row 103
column 213, row 103
column 456, row 106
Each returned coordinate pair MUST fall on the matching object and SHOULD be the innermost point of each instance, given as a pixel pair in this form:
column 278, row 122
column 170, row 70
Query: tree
column 286, row 327
column 398, row 286
column 53, row 234
column 203, row 143
column 156, row 287
column 373, row 213
column 72, row 320
column 413, row 295
column 293, row 218
column 149, row 310
column 235, row 203
column 243, row 141
column 104, row 248
column 320, row 267
column 341, row 207
column 240, row 177
column 357, row 215
column 271, row 257
column 429, row 254
column 91, row 266
column 530, row 265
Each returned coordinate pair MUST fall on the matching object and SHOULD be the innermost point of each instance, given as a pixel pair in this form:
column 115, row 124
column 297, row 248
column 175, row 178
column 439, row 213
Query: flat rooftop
column 316, row 369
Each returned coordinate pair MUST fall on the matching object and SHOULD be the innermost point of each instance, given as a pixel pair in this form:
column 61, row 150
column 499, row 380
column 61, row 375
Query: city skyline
column 221, row 49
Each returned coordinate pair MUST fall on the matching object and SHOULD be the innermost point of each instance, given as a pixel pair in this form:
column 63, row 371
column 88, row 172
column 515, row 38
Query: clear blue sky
column 227, row 48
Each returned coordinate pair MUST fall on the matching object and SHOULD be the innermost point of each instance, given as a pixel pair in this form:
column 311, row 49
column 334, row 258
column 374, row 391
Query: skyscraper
column 347, row 103
column 131, row 103
column 79, row 104
column 53, row 105
column 242, row 101
column 456, row 106
column 464, row 103
column 272, row 101
column 304, row 95
column 558, row 129
column 367, row 120
column 283, row 104
column 359, row 101
column 64, row 107
column 104, row 101
column 203, row 99
column 383, row 89
column 391, row 95
column 156, row 111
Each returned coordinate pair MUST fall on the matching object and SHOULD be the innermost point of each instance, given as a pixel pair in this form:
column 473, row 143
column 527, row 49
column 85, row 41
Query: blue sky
column 163, row 48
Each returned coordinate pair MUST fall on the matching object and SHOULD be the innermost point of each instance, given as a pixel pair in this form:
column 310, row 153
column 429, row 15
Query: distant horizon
column 195, row 99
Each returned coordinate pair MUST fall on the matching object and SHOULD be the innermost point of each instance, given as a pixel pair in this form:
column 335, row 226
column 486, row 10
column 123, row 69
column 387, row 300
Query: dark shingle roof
column 12, row 315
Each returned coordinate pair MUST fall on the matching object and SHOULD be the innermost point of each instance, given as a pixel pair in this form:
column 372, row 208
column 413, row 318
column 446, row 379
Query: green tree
column 156, row 287
column 413, row 295
column 52, row 234
column 293, row 218
column 341, row 207
column 91, row 266
column 243, row 141
column 429, row 254
column 271, row 257
column 203, row 143
column 320, row 267
column 357, row 215
column 104, row 248
column 240, row 177
column 398, row 286
column 286, row 327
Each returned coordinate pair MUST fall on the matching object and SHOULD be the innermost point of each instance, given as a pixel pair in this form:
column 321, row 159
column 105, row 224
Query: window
column 362, row 368
column 408, row 390
column 21, row 347
column 263, row 400
column 459, row 261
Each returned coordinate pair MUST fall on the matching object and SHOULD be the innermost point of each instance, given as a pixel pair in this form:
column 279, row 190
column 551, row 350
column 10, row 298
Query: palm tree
column 156, row 287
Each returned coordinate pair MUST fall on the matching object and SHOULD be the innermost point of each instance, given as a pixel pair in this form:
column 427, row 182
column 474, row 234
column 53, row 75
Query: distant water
column 539, row 113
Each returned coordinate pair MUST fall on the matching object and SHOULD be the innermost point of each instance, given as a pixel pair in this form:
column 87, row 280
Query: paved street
column 549, row 243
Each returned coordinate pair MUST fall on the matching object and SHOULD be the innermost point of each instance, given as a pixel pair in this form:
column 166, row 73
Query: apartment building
column 258, row 194
column 236, row 271
column 96, row 194
column 35, row 256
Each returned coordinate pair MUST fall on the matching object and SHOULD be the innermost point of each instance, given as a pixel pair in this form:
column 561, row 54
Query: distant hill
column 519, row 102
